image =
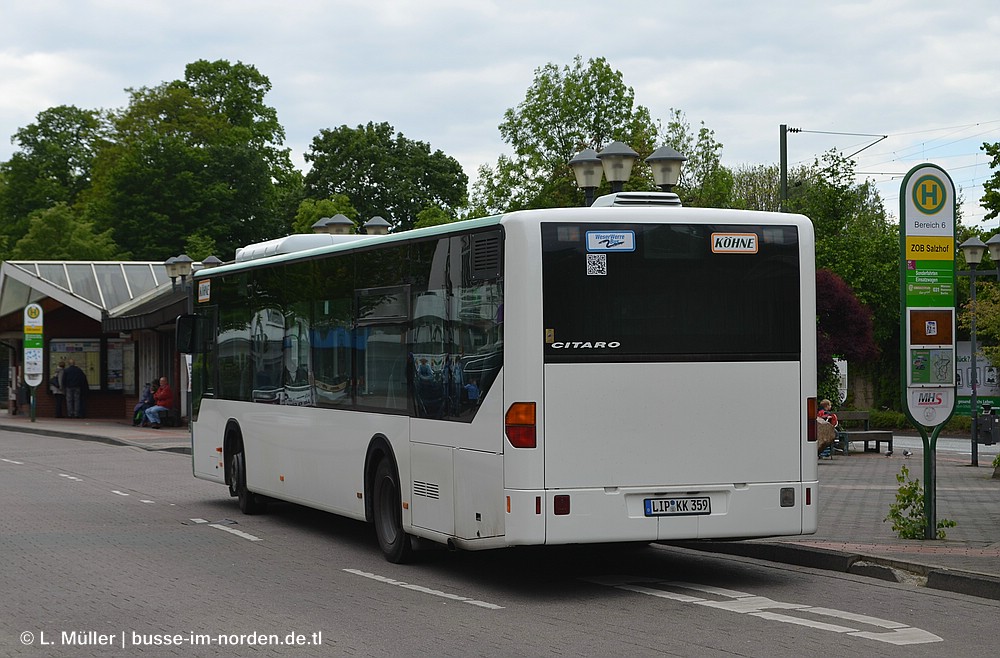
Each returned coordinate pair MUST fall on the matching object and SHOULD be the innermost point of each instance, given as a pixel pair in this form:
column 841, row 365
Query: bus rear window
column 670, row 292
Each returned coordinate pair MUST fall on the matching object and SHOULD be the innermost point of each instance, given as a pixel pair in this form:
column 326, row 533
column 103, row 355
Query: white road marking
column 234, row 531
column 148, row 502
column 11, row 461
column 70, row 477
column 120, row 493
column 760, row 607
column 425, row 590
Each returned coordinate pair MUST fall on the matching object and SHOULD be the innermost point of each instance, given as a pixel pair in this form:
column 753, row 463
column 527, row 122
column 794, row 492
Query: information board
column 927, row 294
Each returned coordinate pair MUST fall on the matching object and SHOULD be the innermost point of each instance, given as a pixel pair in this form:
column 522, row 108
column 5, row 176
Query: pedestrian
column 145, row 402
column 56, row 388
column 74, row 384
column 163, row 399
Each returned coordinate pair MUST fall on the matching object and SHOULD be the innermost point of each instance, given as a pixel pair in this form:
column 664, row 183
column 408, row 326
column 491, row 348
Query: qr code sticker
column 597, row 264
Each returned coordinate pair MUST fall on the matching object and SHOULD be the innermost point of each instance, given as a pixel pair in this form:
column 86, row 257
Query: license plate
column 677, row 506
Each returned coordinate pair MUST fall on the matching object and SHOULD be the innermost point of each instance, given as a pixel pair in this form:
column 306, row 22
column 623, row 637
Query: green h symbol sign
column 929, row 195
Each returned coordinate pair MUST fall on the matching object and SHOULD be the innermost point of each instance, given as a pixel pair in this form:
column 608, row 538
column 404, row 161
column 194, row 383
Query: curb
column 981, row 585
column 97, row 439
column 962, row 582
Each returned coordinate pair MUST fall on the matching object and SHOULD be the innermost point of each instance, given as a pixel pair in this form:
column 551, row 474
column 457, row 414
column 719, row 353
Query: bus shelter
column 114, row 319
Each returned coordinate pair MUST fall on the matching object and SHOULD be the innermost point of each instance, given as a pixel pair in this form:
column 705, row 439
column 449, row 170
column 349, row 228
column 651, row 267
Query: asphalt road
column 110, row 550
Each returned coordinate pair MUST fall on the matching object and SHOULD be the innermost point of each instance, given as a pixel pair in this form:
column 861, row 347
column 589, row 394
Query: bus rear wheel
column 387, row 504
column 250, row 503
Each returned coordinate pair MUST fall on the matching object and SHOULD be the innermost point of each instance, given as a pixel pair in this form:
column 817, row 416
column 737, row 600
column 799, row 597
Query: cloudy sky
column 926, row 73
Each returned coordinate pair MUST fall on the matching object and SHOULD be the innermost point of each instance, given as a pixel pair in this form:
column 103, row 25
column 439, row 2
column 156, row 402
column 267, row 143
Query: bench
column 867, row 435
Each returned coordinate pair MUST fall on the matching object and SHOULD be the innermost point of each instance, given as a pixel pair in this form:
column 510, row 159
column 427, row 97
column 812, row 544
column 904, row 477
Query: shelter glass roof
column 103, row 284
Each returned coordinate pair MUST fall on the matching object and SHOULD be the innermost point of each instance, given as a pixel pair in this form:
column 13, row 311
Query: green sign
column 929, row 283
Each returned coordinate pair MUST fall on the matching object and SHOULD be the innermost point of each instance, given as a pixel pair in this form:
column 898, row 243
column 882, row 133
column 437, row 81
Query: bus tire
column 250, row 503
column 388, row 516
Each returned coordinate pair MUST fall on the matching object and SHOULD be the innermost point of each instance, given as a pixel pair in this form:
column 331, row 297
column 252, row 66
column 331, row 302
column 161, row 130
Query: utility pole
column 783, row 141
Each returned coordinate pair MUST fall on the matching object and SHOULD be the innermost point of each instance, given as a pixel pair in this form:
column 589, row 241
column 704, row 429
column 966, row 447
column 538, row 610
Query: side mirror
column 191, row 332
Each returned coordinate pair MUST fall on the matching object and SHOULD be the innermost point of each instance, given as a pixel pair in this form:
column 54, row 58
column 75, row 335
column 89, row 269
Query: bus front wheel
column 395, row 543
column 250, row 503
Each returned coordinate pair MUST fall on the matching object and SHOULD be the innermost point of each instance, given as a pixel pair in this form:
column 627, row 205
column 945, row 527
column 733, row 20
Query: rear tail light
column 561, row 505
column 811, row 419
column 519, row 424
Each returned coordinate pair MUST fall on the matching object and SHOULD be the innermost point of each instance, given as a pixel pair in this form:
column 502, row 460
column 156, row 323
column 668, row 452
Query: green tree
column 199, row 246
column 991, row 188
column 856, row 240
column 432, row 216
column 564, row 111
column 58, row 233
column 52, row 164
column 704, row 181
column 383, row 173
column 312, row 210
column 195, row 156
column 756, row 187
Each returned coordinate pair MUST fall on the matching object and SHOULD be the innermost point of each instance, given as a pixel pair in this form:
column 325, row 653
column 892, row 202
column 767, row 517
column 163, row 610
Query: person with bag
column 145, row 402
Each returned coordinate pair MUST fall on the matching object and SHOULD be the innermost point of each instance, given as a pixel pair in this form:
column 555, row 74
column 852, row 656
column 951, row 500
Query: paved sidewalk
column 117, row 432
column 854, row 497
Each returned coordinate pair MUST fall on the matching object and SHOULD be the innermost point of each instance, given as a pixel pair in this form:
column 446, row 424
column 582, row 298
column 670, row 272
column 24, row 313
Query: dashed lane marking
column 234, row 531
column 11, row 461
column 425, row 590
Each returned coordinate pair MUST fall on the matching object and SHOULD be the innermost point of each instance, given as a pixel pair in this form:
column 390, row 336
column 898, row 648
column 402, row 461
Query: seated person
column 162, row 400
column 825, row 413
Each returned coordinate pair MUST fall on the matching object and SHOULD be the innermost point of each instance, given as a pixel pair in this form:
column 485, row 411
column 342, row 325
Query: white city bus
column 603, row 374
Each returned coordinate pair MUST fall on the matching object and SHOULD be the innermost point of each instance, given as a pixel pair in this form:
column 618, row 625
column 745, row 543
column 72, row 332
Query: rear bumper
column 617, row 514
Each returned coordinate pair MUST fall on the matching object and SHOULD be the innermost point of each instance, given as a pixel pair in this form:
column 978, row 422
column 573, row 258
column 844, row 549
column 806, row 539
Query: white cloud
column 444, row 71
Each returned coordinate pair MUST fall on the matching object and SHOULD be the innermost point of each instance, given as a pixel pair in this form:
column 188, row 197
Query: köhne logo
column 734, row 243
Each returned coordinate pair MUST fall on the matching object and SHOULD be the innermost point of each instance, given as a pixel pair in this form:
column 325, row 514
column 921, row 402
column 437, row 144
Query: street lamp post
column 617, row 159
column 587, row 169
column 973, row 250
column 666, row 164
column 615, row 162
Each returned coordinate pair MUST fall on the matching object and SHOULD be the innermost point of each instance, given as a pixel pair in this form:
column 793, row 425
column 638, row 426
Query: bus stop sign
column 927, row 282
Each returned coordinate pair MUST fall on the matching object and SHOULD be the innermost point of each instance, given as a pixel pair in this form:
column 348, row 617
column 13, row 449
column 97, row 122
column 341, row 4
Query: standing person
column 56, row 388
column 74, row 383
column 162, row 400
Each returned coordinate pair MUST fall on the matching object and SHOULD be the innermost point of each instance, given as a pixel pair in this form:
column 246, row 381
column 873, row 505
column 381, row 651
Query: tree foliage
column 432, row 216
column 311, row 211
column 854, row 238
column 58, row 233
column 194, row 156
column 564, row 111
column 704, row 182
column 756, row 187
column 588, row 105
column 52, row 165
column 844, row 330
column 844, row 324
column 991, row 188
column 383, row 174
